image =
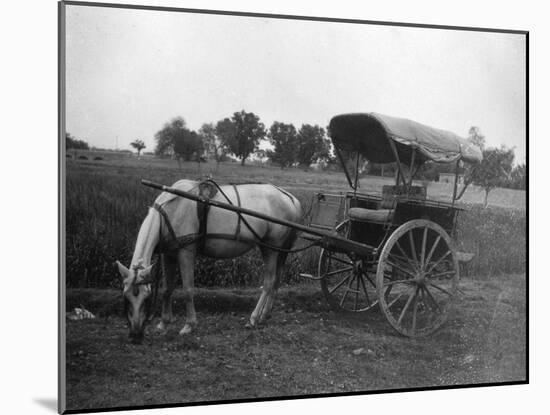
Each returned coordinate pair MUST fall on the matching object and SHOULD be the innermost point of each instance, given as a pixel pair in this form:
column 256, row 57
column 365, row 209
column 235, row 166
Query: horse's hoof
column 186, row 330
column 249, row 326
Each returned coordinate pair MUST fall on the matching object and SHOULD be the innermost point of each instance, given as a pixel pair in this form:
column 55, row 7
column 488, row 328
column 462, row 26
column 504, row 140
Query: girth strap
column 239, row 217
column 202, row 215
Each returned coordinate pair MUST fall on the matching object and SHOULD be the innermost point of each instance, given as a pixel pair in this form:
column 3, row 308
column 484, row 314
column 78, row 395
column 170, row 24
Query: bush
column 82, row 158
column 98, row 158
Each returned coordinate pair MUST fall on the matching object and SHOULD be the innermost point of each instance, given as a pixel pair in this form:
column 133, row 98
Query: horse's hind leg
column 186, row 259
column 169, row 266
column 272, row 260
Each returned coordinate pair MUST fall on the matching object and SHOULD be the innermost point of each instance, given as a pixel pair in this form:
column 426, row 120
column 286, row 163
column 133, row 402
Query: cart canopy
column 370, row 135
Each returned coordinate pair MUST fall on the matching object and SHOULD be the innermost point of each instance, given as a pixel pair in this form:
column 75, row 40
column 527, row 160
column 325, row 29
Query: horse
column 174, row 224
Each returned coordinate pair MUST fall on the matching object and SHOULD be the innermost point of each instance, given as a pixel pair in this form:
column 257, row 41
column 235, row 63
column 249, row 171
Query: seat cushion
column 370, row 215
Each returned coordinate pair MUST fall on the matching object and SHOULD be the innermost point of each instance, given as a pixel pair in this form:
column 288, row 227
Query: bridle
column 154, row 281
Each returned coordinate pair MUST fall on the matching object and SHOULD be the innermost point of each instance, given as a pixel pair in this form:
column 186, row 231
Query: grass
column 303, row 349
column 106, row 204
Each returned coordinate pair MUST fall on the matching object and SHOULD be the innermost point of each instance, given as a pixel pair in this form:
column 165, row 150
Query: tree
column 188, row 145
column 285, row 144
column 212, row 143
column 138, row 145
column 71, row 143
column 241, row 133
column 475, row 137
column 165, row 137
column 312, row 145
column 494, row 170
column 518, row 179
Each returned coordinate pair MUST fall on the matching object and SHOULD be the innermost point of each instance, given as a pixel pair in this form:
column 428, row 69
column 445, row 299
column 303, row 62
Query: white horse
column 176, row 219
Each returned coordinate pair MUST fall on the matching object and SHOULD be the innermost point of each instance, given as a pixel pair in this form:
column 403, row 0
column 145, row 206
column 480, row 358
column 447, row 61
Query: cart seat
column 370, row 215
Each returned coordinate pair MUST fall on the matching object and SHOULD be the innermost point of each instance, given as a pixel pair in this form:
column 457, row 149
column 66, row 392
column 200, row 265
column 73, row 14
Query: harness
column 208, row 189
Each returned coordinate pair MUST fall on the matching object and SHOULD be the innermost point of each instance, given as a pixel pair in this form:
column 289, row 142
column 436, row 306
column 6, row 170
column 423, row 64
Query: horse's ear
column 124, row 272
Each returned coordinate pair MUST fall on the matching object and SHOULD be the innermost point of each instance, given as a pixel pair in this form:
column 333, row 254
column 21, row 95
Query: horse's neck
column 147, row 240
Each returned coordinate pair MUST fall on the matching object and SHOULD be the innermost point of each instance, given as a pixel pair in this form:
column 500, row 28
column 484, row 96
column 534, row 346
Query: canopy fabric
column 368, row 133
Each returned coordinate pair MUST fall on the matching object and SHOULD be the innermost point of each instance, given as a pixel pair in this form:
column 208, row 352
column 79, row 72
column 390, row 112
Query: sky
column 130, row 71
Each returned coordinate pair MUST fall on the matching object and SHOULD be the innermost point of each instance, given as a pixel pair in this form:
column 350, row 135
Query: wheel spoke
column 413, row 248
column 409, row 300
column 430, row 296
column 365, row 290
column 429, row 257
column 408, row 281
column 369, row 279
column 423, row 249
column 438, row 262
column 338, row 271
column 358, row 277
column 396, row 299
column 339, row 284
column 399, row 261
column 412, row 264
column 347, row 291
column 441, row 289
column 393, row 264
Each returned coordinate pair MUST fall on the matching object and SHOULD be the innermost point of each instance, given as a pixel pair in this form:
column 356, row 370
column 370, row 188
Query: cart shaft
column 328, row 239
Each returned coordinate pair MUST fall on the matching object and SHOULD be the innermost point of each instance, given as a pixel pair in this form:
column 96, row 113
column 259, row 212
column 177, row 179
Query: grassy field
column 303, row 349
column 106, row 204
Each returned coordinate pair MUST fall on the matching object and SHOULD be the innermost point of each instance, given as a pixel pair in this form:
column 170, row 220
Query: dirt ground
column 305, row 348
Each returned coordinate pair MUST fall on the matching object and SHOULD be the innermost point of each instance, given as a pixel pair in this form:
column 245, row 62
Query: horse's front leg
column 269, row 288
column 186, row 259
column 169, row 266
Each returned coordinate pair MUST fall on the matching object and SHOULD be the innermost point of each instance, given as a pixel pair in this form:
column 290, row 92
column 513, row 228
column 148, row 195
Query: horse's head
column 136, row 291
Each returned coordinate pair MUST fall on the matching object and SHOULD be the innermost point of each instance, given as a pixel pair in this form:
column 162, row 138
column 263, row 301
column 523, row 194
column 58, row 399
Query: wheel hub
column 420, row 279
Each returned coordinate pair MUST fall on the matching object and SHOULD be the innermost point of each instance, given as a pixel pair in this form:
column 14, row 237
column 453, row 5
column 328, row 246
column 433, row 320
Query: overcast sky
column 130, row 71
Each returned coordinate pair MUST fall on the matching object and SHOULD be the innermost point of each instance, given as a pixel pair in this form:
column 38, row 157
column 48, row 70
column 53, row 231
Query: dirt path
column 304, row 349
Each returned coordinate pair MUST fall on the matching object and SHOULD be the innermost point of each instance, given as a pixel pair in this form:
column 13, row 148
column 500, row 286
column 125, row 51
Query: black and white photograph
column 266, row 206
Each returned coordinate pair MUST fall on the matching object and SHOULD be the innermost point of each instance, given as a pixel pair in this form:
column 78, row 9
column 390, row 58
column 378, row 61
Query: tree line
column 497, row 167
column 240, row 135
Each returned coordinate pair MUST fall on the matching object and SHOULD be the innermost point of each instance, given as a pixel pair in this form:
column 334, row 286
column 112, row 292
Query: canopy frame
column 406, row 169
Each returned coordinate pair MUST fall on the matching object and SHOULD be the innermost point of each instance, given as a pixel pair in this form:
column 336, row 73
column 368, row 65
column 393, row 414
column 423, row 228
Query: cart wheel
column 344, row 282
column 417, row 277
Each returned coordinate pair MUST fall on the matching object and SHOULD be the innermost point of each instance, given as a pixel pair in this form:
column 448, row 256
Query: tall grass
column 497, row 237
column 105, row 205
